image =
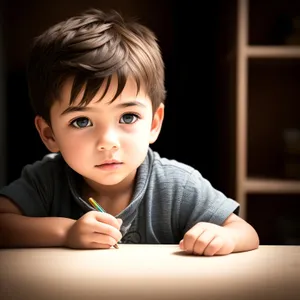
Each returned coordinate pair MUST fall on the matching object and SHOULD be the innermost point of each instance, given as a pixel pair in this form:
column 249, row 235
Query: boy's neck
column 112, row 198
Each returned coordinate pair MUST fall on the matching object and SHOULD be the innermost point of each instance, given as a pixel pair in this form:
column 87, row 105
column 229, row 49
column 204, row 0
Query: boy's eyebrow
column 74, row 108
column 86, row 108
column 131, row 103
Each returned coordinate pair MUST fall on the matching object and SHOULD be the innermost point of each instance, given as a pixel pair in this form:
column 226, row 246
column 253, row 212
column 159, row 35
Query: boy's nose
column 108, row 141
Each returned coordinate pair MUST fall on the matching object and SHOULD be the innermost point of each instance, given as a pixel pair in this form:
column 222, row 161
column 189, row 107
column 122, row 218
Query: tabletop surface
column 149, row 272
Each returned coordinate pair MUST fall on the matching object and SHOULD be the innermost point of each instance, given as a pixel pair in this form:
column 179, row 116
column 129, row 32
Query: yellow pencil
column 99, row 208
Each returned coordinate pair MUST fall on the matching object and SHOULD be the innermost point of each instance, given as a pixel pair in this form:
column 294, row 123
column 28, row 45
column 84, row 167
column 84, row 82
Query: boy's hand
column 207, row 239
column 94, row 230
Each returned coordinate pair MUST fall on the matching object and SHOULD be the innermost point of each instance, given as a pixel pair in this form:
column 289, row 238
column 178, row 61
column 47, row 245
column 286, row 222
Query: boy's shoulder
column 173, row 169
column 49, row 162
column 170, row 164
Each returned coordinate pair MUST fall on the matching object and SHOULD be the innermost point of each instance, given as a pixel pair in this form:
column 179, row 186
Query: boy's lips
column 109, row 162
column 109, row 165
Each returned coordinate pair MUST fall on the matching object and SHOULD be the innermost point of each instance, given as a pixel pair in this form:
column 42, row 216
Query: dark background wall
column 194, row 43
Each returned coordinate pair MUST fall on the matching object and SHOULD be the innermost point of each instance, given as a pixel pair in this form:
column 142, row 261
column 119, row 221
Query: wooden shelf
column 267, row 106
column 268, row 186
column 266, row 78
column 273, row 51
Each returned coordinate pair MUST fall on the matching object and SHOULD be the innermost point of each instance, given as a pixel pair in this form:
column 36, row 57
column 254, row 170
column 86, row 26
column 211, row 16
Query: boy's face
column 104, row 141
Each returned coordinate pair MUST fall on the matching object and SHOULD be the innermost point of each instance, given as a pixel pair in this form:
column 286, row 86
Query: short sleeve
column 201, row 202
column 33, row 191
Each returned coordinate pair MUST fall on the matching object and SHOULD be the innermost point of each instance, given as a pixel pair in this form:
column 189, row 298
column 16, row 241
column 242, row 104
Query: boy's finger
column 108, row 230
column 120, row 221
column 107, row 219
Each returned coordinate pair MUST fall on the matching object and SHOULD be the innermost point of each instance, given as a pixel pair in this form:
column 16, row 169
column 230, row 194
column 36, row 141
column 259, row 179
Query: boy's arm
column 235, row 235
column 245, row 236
column 17, row 230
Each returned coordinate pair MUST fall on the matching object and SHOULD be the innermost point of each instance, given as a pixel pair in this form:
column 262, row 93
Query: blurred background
column 202, row 59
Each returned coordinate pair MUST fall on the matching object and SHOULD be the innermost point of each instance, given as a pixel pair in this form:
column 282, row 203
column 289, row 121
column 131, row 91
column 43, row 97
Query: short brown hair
column 92, row 47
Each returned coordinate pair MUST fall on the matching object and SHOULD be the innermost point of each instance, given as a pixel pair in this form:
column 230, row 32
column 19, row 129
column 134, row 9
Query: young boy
column 96, row 83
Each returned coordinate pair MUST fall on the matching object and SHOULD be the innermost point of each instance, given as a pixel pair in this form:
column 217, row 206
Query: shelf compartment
column 271, row 22
column 273, row 109
column 275, row 217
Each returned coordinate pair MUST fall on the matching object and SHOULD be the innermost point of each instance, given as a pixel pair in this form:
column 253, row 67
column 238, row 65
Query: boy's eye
column 81, row 122
column 129, row 118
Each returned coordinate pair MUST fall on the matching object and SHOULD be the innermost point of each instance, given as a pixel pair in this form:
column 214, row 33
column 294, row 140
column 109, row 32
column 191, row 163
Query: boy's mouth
column 110, row 162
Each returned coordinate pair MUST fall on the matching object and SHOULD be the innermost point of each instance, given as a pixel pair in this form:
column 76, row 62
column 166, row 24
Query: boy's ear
column 46, row 134
column 157, row 123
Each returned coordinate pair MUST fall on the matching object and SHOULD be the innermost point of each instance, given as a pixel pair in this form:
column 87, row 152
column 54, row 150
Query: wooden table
column 148, row 272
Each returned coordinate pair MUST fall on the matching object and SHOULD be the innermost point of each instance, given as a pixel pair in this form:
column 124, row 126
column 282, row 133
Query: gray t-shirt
column 169, row 198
